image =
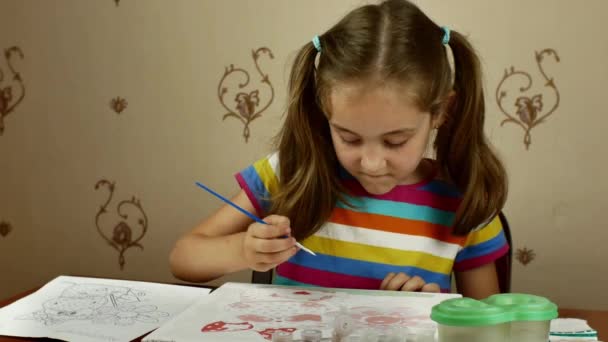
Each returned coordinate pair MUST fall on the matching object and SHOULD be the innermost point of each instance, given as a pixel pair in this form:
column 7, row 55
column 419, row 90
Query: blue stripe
column 399, row 209
column 483, row 248
column 256, row 186
column 442, row 189
column 365, row 269
column 278, row 280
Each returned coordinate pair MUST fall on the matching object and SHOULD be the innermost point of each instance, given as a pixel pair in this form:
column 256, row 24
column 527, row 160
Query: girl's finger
column 431, row 287
column 397, row 282
column 413, row 284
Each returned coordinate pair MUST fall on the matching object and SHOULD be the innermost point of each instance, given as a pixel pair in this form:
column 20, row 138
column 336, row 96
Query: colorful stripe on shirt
column 259, row 181
column 406, row 230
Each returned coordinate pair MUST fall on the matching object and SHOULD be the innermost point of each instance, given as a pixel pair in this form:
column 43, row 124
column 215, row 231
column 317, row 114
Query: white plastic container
column 530, row 331
column 470, row 320
column 494, row 333
column 530, row 315
column 508, row 317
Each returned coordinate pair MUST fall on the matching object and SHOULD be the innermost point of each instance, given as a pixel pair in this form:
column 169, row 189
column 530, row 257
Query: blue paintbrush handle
column 250, row 215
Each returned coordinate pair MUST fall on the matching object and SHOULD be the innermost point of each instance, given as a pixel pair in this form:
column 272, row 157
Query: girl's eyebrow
column 393, row 132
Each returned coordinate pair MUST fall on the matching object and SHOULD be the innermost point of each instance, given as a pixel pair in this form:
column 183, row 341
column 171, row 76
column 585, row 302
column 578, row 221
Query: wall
column 166, row 60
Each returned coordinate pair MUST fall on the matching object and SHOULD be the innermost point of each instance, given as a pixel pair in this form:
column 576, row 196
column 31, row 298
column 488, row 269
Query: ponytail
column 308, row 182
column 463, row 152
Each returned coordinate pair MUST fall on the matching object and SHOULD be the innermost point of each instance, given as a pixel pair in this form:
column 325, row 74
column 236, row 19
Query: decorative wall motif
column 124, row 234
column 5, row 228
column 10, row 95
column 118, row 104
column 528, row 111
column 246, row 107
column 525, row 255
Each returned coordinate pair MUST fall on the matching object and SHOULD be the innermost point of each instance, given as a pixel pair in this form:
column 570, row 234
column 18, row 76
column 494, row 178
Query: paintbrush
column 252, row 216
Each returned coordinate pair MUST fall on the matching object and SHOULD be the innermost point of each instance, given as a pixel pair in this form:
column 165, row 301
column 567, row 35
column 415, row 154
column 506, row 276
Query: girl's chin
column 377, row 189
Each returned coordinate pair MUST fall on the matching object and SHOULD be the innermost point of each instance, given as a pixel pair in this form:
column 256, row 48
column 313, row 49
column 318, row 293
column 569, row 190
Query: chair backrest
column 261, row 277
column 503, row 264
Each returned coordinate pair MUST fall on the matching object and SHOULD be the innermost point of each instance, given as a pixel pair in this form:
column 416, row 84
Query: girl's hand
column 264, row 245
column 403, row 282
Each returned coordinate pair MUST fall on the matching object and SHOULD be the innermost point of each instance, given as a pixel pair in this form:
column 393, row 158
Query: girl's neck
column 425, row 172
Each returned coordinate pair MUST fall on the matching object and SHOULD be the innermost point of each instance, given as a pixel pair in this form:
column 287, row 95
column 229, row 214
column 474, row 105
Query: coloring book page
column 253, row 312
column 93, row 309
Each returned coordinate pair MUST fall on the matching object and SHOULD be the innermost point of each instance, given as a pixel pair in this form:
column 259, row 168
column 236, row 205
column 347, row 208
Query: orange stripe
column 395, row 225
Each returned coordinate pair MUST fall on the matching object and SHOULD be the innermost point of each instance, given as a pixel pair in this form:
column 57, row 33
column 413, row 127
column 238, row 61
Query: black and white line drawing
column 98, row 304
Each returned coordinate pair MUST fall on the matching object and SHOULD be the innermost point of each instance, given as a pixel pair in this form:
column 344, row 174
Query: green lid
column 468, row 312
column 524, row 307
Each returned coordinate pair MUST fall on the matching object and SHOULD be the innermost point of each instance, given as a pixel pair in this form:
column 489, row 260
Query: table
column 597, row 319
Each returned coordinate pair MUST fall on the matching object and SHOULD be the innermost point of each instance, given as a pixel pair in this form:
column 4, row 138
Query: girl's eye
column 394, row 145
column 352, row 142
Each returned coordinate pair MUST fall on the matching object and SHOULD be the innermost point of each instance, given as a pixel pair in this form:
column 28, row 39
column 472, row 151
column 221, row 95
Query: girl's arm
column 213, row 248
column 478, row 283
column 227, row 242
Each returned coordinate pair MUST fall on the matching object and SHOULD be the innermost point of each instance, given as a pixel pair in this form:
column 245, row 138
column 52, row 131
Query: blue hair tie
column 446, row 35
column 317, row 43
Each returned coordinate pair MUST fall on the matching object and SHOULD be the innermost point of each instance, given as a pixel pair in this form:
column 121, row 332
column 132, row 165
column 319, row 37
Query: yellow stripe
column 267, row 175
column 381, row 255
column 484, row 234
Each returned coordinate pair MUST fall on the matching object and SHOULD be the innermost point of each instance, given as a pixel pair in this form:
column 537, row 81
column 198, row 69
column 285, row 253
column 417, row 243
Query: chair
column 261, row 277
column 503, row 264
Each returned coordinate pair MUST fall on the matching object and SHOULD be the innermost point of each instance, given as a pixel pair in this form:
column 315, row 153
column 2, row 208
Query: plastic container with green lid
column 531, row 315
column 470, row 320
column 499, row 318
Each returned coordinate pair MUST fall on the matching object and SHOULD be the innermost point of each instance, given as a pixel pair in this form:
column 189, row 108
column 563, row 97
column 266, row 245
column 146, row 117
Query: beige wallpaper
column 111, row 110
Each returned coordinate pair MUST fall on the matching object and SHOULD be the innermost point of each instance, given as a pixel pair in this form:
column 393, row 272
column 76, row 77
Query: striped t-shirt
column 405, row 230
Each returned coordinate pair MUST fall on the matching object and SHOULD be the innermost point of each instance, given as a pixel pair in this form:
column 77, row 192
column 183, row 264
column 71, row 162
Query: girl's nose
column 372, row 161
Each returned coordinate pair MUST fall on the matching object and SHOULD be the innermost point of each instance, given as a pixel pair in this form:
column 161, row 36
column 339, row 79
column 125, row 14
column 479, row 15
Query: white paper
column 569, row 325
column 93, row 309
column 579, row 330
column 249, row 312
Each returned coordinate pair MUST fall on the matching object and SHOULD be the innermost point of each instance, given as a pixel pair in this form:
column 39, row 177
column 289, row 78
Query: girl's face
column 379, row 134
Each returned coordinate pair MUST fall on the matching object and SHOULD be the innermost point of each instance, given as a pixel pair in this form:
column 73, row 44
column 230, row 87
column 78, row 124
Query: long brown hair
column 390, row 42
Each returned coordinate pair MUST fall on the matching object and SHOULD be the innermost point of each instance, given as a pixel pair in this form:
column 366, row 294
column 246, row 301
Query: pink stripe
column 409, row 195
column 469, row 264
column 316, row 277
column 245, row 187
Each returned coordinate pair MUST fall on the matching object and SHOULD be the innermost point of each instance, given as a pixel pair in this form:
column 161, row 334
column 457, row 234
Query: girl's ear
column 440, row 118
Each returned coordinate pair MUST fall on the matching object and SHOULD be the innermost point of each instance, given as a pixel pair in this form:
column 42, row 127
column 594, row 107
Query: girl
column 349, row 180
